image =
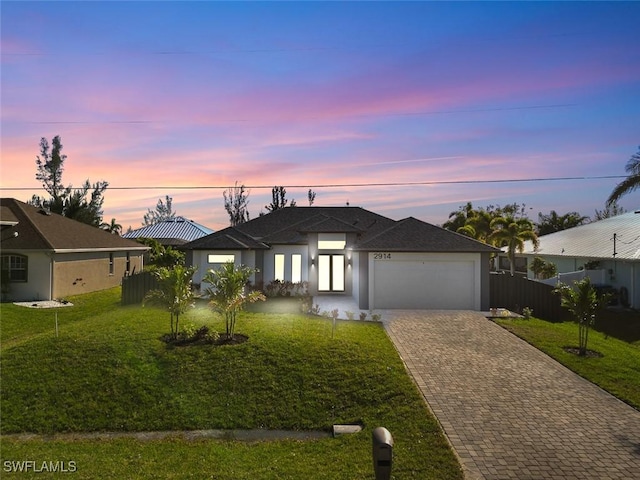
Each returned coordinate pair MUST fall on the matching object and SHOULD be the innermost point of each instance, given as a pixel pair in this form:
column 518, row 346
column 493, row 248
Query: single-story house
column 171, row 233
column 381, row 263
column 45, row 256
column 608, row 251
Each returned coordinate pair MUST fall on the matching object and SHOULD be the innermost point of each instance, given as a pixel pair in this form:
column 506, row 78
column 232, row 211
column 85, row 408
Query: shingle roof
column 178, row 228
column 413, row 235
column 228, row 239
column 594, row 240
column 375, row 232
column 40, row 230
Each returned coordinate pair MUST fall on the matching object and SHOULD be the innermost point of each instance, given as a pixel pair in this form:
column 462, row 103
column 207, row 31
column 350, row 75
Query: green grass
column 108, row 371
column 617, row 371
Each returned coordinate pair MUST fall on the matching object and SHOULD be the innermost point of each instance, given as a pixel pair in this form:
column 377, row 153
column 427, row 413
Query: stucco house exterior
column 45, row 256
column 609, row 248
column 381, row 263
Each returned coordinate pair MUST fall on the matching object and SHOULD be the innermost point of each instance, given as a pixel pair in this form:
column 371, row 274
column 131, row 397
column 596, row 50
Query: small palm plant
column 174, row 292
column 583, row 302
column 228, row 292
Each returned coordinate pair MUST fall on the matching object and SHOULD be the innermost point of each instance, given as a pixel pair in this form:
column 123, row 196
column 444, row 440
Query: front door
column 331, row 273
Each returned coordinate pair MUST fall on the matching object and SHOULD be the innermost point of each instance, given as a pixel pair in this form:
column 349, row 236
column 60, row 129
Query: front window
column 279, row 267
column 332, row 241
column 14, row 267
column 221, row 258
column 296, row 268
column 331, row 273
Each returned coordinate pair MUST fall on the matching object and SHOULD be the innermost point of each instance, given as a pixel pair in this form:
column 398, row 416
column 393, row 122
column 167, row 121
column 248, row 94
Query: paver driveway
column 509, row 410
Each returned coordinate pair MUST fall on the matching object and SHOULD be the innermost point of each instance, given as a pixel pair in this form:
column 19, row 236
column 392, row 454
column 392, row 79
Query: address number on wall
column 382, row 256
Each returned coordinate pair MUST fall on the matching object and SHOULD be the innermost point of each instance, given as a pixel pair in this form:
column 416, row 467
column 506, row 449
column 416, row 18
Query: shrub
column 363, row 316
column 350, row 315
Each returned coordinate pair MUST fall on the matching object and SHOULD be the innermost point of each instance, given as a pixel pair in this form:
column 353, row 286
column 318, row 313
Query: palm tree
column 477, row 225
column 228, row 292
column 113, row 227
column 630, row 183
column 174, row 292
column 512, row 233
column 583, row 302
column 555, row 223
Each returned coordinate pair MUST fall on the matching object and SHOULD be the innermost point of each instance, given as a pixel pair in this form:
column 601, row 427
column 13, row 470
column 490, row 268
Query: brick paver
column 510, row 411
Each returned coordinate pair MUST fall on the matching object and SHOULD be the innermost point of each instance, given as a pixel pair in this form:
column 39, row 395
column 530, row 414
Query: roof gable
column 228, row 239
column 40, row 230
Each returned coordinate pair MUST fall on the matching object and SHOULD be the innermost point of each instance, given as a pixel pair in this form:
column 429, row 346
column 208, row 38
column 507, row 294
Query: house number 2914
column 382, row 256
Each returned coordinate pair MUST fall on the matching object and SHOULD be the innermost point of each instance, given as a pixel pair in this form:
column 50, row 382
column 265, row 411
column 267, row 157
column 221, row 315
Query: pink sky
column 319, row 94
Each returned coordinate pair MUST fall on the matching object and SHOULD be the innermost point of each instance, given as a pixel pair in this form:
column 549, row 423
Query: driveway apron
column 509, row 410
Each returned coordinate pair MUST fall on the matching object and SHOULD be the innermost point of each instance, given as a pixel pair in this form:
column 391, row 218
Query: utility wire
column 343, row 185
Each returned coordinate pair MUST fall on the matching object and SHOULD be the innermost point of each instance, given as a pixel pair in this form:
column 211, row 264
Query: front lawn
column 617, row 370
column 108, row 371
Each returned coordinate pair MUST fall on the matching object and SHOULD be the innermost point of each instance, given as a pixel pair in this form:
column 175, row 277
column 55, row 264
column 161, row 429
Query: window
column 296, row 268
column 331, row 273
column 15, row 267
column 111, row 264
column 221, row 258
column 332, row 241
column 521, row 264
column 279, row 267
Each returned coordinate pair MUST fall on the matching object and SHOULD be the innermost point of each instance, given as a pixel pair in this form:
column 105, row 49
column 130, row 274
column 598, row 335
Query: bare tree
column 311, row 195
column 236, row 202
column 162, row 212
column 279, row 200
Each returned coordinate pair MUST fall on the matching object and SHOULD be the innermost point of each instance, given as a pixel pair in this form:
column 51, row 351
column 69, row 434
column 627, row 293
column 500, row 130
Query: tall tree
column 512, row 232
column 279, row 200
column 555, row 223
column 236, row 204
column 83, row 204
column 609, row 211
column 174, row 292
column 163, row 211
column 458, row 219
column 227, row 291
column 630, row 183
column 477, row 225
column 113, row 227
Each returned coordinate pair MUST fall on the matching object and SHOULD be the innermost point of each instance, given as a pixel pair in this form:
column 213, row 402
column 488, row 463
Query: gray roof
column 291, row 225
column 178, row 228
column 413, row 235
column 25, row 227
column 594, row 240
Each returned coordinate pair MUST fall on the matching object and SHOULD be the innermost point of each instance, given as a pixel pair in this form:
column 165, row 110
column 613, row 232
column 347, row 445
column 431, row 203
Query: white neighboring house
column 609, row 247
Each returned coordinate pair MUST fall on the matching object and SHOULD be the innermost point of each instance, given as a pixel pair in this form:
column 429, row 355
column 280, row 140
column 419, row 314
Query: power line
column 349, row 185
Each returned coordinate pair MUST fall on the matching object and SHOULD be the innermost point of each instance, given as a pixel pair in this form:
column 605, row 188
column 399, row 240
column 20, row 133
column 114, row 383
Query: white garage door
column 428, row 284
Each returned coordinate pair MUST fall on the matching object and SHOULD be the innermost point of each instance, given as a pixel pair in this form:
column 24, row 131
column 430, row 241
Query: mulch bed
column 588, row 354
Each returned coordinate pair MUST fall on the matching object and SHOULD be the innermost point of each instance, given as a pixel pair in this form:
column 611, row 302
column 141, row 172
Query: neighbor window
column 14, row 267
column 332, row 241
column 221, row 258
column 296, row 268
column 521, row 264
column 111, row 264
column 279, row 267
column 128, row 268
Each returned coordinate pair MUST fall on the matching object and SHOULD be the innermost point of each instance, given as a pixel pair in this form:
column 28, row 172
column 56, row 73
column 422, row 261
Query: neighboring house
column 379, row 262
column 171, row 233
column 45, row 256
column 609, row 248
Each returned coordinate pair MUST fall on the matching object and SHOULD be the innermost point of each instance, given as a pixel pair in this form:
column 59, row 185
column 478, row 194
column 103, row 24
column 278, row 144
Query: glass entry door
column 331, row 273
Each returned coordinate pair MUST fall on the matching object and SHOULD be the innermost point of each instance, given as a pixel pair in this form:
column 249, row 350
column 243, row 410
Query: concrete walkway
column 510, row 411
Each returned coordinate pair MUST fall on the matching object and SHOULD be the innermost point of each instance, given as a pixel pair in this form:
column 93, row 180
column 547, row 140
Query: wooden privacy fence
column 135, row 287
column 517, row 292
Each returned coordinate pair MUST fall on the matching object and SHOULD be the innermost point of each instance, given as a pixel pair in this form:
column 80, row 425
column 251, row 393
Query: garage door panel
column 424, row 284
